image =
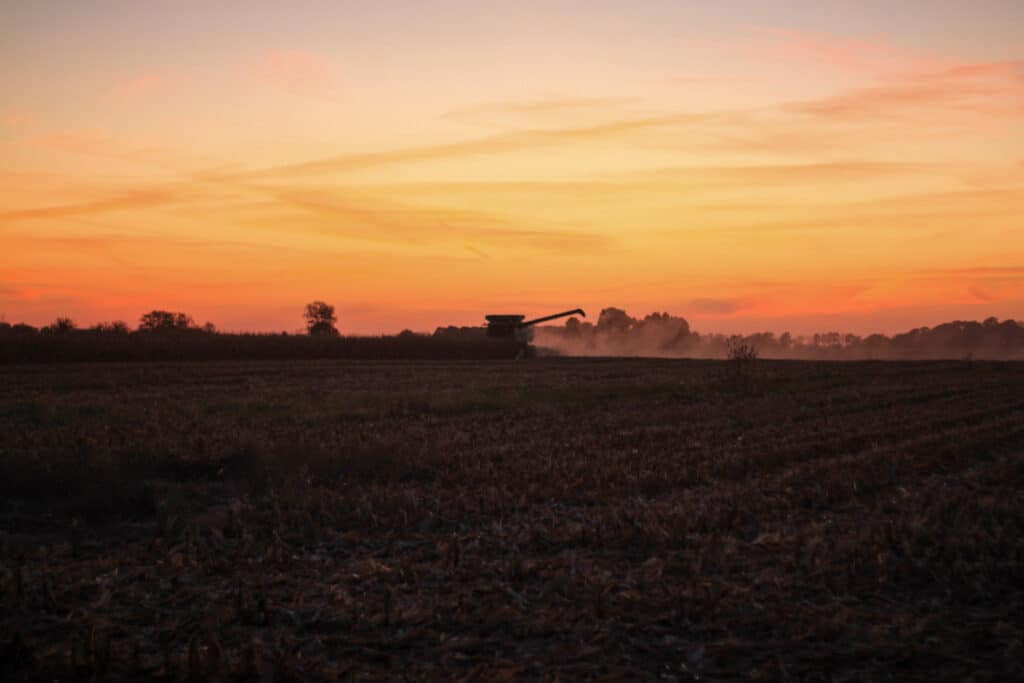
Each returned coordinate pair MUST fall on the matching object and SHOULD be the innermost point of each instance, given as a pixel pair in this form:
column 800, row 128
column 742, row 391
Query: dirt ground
column 549, row 518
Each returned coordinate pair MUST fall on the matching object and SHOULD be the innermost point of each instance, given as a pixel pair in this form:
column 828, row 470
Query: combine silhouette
column 517, row 327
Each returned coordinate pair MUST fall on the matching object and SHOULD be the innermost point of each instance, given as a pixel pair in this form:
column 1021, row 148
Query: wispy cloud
column 966, row 89
column 910, row 214
column 995, row 88
column 134, row 200
column 372, row 220
column 980, row 296
column 761, row 174
column 717, row 306
column 1015, row 273
column 503, row 142
column 476, row 250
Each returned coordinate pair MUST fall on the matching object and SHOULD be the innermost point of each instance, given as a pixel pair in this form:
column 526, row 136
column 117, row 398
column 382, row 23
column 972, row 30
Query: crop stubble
column 570, row 518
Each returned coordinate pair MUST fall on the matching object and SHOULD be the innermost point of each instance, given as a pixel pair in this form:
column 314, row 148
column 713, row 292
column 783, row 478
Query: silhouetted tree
column 60, row 326
column 320, row 319
column 614, row 319
column 115, row 327
column 164, row 320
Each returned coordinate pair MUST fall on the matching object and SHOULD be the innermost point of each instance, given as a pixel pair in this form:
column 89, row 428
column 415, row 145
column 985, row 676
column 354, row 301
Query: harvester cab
column 518, row 327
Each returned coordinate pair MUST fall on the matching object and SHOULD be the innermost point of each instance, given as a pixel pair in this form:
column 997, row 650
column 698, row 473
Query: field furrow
column 559, row 518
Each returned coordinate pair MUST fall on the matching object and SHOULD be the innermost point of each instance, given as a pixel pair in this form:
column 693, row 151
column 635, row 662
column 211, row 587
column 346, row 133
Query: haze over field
column 750, row 166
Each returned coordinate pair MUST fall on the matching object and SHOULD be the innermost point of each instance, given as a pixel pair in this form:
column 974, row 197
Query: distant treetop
column 164, row 320
column 60, row 326
column 114, row 327
column 320, row 319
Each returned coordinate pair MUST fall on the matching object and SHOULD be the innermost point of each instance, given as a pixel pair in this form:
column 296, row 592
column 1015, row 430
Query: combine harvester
column 502, row 326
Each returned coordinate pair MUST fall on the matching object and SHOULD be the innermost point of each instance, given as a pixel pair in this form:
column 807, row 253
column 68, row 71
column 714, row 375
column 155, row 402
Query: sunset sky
column 789, row 165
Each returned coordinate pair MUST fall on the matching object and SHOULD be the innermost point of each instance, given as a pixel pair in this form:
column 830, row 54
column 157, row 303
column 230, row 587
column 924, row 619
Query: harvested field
column 547, row 518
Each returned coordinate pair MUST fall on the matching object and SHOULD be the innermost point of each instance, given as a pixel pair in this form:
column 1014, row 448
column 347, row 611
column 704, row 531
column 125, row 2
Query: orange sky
column 784, row 169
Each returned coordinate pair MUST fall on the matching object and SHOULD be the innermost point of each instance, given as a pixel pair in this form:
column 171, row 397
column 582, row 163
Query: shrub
column 741, row 351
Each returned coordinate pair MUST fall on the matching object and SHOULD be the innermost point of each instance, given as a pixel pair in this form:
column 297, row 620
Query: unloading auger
column 517, row 327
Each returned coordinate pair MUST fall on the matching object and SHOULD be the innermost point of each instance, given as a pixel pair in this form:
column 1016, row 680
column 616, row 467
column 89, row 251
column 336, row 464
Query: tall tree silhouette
column 320, row 319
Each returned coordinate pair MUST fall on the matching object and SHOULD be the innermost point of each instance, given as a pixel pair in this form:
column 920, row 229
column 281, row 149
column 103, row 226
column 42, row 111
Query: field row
column 572, row 518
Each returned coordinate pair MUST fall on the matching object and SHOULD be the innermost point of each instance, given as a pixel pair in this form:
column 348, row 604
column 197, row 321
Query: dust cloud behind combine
column 661, row 335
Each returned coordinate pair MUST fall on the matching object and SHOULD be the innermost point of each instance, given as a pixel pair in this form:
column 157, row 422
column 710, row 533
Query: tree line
column 174, row 336
column 319, row 317
column 162, row 334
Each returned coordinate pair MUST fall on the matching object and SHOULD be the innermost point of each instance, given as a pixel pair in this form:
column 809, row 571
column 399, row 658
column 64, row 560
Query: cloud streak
column 134, row 200
column 993, row 88
column 717, row 306
column 494, row 144
column 368, row 220
column 988, row 89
